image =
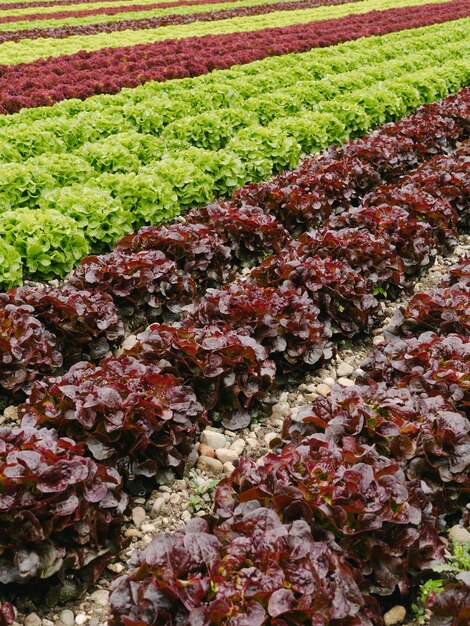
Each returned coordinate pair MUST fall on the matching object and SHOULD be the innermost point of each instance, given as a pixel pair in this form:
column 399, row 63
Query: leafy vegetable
column 229, row 370
column 27, row 348
column 127, row 413
column 49, row 243
column 340, row 292
column 60, row 512
column 85, row 322
column 282, row 321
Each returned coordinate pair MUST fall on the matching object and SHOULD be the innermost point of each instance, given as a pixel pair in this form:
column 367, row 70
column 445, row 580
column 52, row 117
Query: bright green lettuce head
column 11, row 267
column 49, row 243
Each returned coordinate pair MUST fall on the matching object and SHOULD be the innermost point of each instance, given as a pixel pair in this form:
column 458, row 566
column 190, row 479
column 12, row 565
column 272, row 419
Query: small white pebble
column 323, row 390
column 345, row 382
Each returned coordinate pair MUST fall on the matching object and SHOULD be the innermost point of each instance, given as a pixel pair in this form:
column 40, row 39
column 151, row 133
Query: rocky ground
column 177, row 501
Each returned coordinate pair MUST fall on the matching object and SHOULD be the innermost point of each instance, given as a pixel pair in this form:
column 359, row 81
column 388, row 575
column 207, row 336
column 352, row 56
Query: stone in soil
column 396, row 615
column 213, row 439
column 208, row 464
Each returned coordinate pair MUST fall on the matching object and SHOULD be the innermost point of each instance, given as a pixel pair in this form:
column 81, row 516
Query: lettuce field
column 234, row 312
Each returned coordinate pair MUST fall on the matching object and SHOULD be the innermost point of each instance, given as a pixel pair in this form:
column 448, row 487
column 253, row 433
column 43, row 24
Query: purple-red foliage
column 198, row 249
column 248, row 231
column 425, row 435
column 251, row 570
column 86, row 322
column 283, row 321
column 439, row 366
column 229, row 370
column 27, row 348
column 145, row 280
column 371, row 255
column 126, row 412
column 340, row 292
column 444, row 310
column 378, row 516
column 414, row 240
column 59, row 510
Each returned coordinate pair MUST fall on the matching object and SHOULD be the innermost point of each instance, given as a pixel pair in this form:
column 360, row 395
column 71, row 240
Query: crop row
column 24, row 51
column 49, row 8
column 194, row 159
column 92, row 26
column 217, row 89
column 364, row 536
column 142, row 410
column 15, row 4
column 157, row 265
column 123, row 12
column 352, row 506
column 77, row 76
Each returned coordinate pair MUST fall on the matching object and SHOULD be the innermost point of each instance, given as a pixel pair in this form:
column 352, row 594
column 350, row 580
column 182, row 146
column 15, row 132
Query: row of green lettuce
column 25, row 51
column 57, row 207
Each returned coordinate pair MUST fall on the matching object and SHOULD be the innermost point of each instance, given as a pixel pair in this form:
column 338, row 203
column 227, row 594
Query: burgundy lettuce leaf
column 283, row 321
column 198, row 249
column 27, row 348
column 60, row 512
column 448, row 178
column 458, row 274
column 425, row 435
column 7, row 614
column 229, row 371
column 438, row 366
column 372, row 256
column 252, row 570
column 125, row 412
column 451, row 607
column 138, row 281
column 421, row 205
column 249, row 232
column 341, row 294
column 86, row 322
column 444, row 310
column 415, row 241
column 305, row 197
column 364, row 498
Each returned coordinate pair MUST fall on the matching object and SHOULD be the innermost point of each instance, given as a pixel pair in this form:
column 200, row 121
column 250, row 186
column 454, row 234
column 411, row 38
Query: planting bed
column 234, row 325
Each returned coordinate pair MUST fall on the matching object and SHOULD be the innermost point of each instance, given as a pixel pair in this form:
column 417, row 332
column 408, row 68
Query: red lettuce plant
column 425, row 435
column 415, row 241
column 420, row 204
column 59, row 511
column 378, row 517
column 440, row 366
column 445, row 310
column 448, row 178
column 7, row 614
column 229, row 370
column 451, row 606
column 248, row 231
column 251, row 570
column 305, row 197
column 139, row 281
column 27, row 348
column 198, row 249
column 283, row 321
column 342, row 295
column 371, row 255
column 458, row 274
column 127, row 413
column 86, row 322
